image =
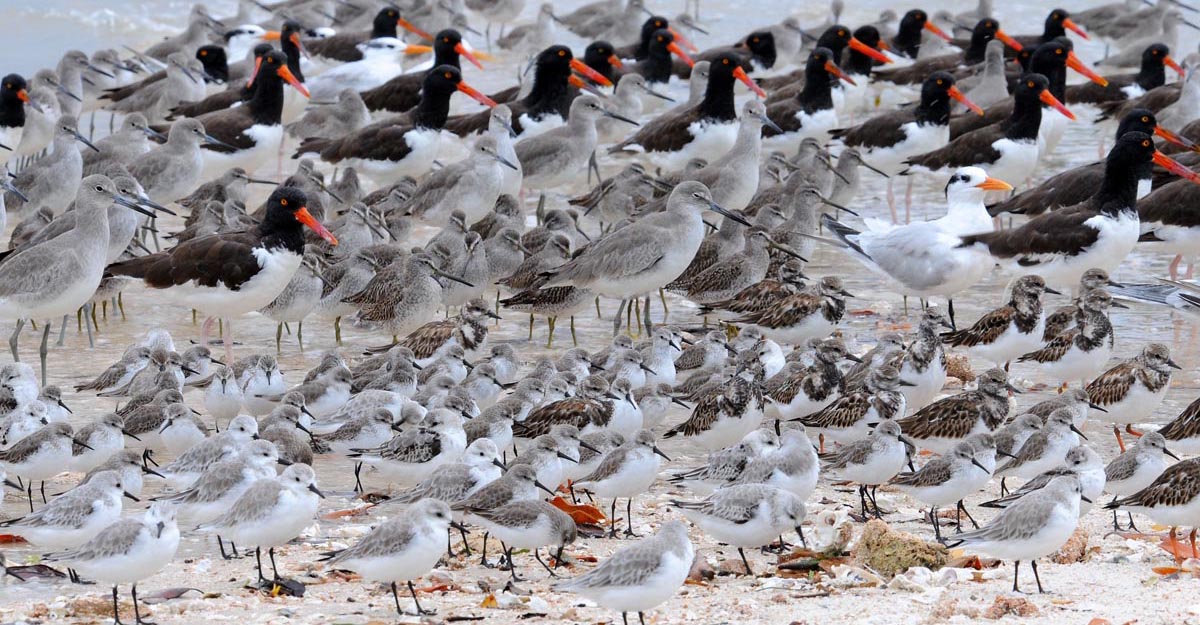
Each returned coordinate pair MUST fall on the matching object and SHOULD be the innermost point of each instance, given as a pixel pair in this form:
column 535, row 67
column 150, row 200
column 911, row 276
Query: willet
column 472, row 185
column 121, row 147
column 557, row 156
column 172, row 170
column 184, row 83
column 51, row 181
column 346, row 115
column 297, row 300
column 638, row 261
column 405, row 305
column 58, row 276
column 200, row 26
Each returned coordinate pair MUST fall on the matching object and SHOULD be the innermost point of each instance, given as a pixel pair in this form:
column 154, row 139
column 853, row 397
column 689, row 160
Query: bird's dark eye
column 448, row 75
column 1145, row 119
column 1031, row 84
column 1146, row 143
column 562, row 52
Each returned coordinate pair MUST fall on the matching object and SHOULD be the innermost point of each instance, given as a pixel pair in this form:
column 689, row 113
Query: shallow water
column 51, row 26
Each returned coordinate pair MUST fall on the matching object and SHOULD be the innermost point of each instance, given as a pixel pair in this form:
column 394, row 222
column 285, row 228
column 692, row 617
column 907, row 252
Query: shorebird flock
column 382, row 210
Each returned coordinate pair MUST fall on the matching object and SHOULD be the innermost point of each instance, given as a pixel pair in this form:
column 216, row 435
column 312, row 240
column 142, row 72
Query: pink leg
column 891, row 199
column 206, row 329
column 908, row 202
column 1174, row 266
column 1191, row 270
column 228, row 340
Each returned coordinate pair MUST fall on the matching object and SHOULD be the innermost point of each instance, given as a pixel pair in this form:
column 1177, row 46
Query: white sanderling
column 222, row 395
column 1183, row 432
column 723, row 416
column 519, row 483
column 103, row 437
column 1173, row 498
column 640, row 576
column 943, row 480
column 40, row 456
column 1035, row 525
column 219, row 486
column 187, row 468
column 627, row 471
column 1136, row 469
column 530, row 524
column 849, row 417
column 271, row 512
column 1045, row 450
column 130, row 464
column 797, row 391
column 1012, row 436
column 547, row 459
column 401, row 549
column 794, row 467
column 182, row 431
column 411, row 456
column 724, row 466
column 871, row 461
column 1083, row 462
column 127, row 551
column 746, row 515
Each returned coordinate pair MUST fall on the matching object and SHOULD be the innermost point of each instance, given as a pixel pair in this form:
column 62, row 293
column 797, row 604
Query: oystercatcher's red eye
column 283, row 202
column 1145, row 143
column 1031, row 84
column 660, row 38
column 1145, row 119
column 205, row 53
column 939, row 81
column 1058, row 51
column 725, row 61
column 562, row 52
column 446, row 39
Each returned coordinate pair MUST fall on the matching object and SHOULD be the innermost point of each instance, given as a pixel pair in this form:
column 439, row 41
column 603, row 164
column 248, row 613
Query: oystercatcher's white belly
column 277, row 269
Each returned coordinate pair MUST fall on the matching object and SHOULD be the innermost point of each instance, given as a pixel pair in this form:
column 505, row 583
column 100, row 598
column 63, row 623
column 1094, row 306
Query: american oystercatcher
column 233, row 273
column 1062, row 245
column 344, row 47
column 391, row 149
column 404, row 91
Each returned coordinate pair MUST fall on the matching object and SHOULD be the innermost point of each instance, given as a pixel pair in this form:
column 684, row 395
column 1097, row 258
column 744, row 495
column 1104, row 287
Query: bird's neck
column 1152, row 75
column 976, row 50
column 1025, row 120
column 266, row 105
column 281, row 231
column 1118, row 191
column 935, row 111
column 718, row 99
column 656, row 67
column 818, row 91
column 432, row 110
column 12, row 113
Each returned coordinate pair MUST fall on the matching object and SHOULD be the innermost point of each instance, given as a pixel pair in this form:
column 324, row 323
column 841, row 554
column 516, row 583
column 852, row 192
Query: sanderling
column 219, row 486
column 627, row 471
column 519, row 483
column 547, row 460
column 182, row 430
column 40, row 456
column 119, row 373
column 640, row 576
column 401, row 549
column 1082, row 351
column 413, row 455
column 1044, row 450
column 746, row 515
column 184, row 470
column 1173, row 498
column 127, row 552
column 944, row 423
column 794, row 467
column 1012, row 436
column 712, row 350
column 530, row 524
column 590, row 410
column 925, row 361
column 871, row 461
column 943, row 480
column 889, row 346
column 1132, row 390
column 1076, row 399
column 271, row 512
column 1082, row 461
column 103, row 437
column 130, row 464
column 1035, row 525
column 1136, row 469
column 724, row 466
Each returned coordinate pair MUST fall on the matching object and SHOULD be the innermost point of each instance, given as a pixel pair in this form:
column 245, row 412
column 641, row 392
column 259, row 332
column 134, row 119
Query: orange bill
column 272, row 35
column 677, row 51
column 23, row 95
column 933, row 28
column 467, row 54
column 591, row 74
column 413, row 49
column 287, row 75
column 1048, row 99
column 257, row 65
column 306, row 218
column 994, row 184
column 1176, row 139
column 407, row 25
column 476, row 95
column 883, row 45
column 957, row 94
column 1008, row 41
column 687, row 43
column 1067, row 23
column 832, row 68
column 863, row 48
column 1175, row 167
column 615, row 62
column 1074, row 63
column 740, row 74
column 1170, row 62
column 295, row 39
